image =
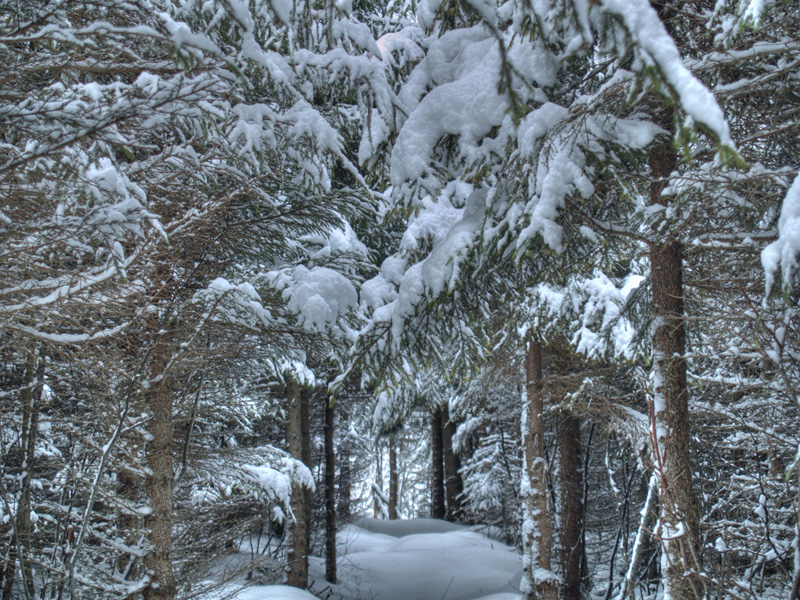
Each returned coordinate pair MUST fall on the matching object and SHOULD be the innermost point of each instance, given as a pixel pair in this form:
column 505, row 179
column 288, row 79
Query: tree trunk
column 330, row 493
column 31, row 407
column 437, row 466
column 679, row 511
column 160, row 479
column 646, row 517
column 297, row 556
column 307, row 458
column 377, row 490
column 127, row 521
column 571, row 475
column 393, row 478
column 345, row 472
column 452, row 468
column 538, row 581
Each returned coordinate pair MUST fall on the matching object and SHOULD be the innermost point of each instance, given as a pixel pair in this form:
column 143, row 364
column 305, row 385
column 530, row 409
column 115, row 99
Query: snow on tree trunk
column 454, row 485
column 678, row 526
column 538, row 580
column 437, row 466
column 160, row 479
column 297, row 555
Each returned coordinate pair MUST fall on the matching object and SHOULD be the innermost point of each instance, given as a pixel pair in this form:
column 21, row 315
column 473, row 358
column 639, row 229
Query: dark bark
column 127, row 521
column 21, row 547
column 297, row 556
column 671, row 432
column 377, row 492
column 345, row 472
column 345, row 484
column 452, row 468
column 537, row 540
column 307, row 457
column 160, row 480
column 330, row 493
column 571, row 475
column 393, row 478
column 437, row 466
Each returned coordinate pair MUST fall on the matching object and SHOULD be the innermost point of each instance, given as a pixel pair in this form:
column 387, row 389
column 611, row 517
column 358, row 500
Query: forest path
column 419, row 559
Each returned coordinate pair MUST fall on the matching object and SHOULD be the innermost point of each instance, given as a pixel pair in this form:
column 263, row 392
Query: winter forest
column 286, row 284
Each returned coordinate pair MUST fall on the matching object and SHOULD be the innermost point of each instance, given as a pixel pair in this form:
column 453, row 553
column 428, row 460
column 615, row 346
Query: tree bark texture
column 437, row 466
column 538, row 580
column 299, row 531
column 571, row 476
column 679, row 510
column 393, row 478
column 454, row 484
column 160, row 480
column 345, row 472
column 307, row 457
column 330, row 493
column 377, row 491
column 21, row 549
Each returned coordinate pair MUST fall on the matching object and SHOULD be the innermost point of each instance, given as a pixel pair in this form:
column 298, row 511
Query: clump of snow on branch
column 655, row 47
column 592, row 309
column 783, row 253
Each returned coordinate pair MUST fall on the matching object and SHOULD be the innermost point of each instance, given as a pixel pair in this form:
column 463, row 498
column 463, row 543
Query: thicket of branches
column 557, row 241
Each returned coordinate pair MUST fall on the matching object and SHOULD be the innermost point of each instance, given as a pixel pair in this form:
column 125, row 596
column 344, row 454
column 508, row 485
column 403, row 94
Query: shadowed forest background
column 269, row 267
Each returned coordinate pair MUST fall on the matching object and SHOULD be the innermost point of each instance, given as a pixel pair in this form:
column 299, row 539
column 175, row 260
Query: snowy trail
column 419, row 559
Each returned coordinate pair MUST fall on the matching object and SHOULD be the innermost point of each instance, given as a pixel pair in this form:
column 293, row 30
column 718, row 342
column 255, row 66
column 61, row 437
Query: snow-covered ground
column 420, row 559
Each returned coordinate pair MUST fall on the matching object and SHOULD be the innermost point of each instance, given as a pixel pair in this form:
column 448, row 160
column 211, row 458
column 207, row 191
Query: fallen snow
column 274, row 592
column 418, row 559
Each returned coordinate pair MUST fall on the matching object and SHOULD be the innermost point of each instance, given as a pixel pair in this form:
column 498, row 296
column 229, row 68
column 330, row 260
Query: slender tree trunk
column 330, row 493
column 679, row 516
column 452, row 466
column 127, row 521
column 160, row 479
column 646, row 518
column 538, row 580
column 345, row 472
column 297, row 556
column 31, row 407
column 9, row 568
column 345, row 483
column 571, row 475
column 393, row 478
column 377, row 491
column 437, row 466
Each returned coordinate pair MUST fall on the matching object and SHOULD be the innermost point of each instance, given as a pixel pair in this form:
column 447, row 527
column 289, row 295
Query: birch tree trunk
column 538, row 580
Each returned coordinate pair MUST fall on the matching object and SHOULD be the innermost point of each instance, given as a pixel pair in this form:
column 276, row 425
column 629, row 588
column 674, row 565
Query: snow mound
column 419, row 559
column 403, row 528
column 274, row 592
